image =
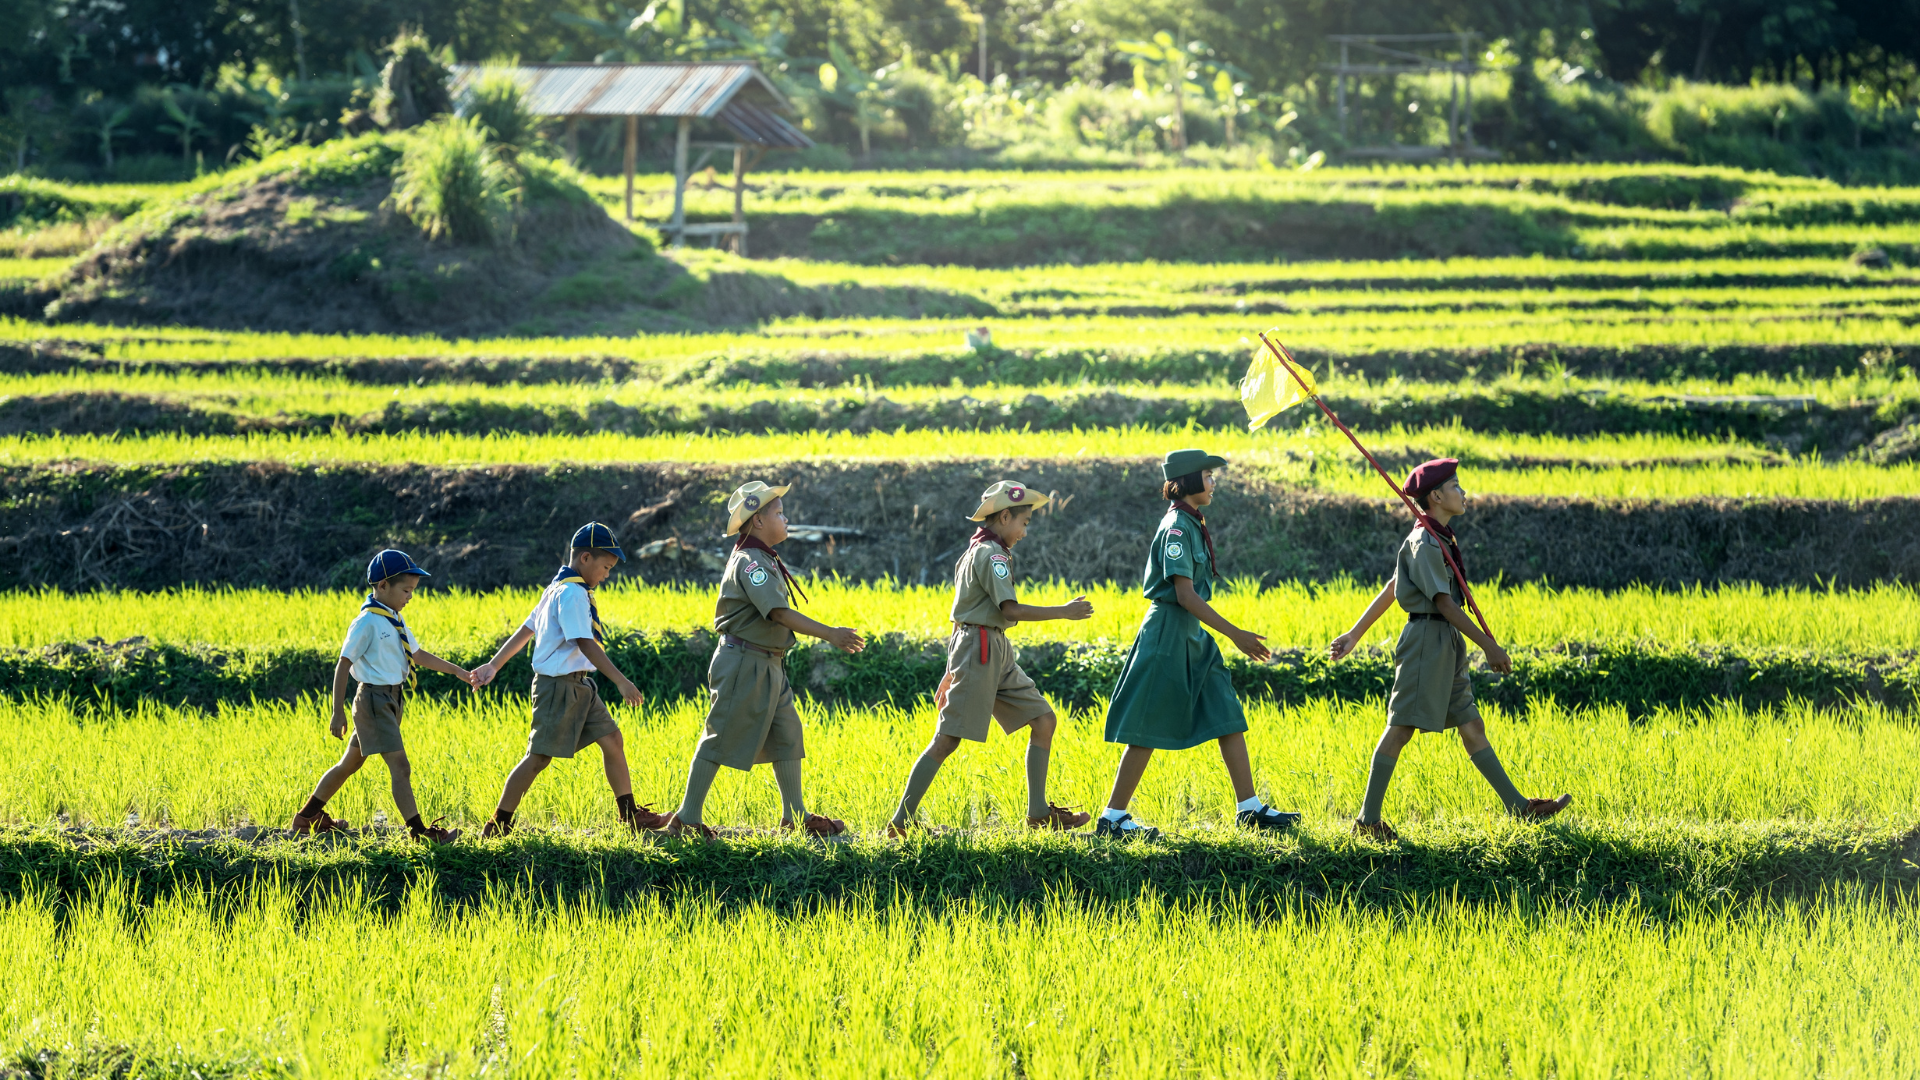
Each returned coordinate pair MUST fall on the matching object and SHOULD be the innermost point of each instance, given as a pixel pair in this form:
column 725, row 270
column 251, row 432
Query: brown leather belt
column 742, row 643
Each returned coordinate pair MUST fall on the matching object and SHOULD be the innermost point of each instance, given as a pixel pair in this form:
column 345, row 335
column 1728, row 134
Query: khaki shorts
column 750, row 718
column 996, row 689
column 1431, row 690
column 376, row 719
column 567, row 715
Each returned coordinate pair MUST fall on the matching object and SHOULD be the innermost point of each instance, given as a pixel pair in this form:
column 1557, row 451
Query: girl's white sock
column 1113, row 814
column 1251, row 804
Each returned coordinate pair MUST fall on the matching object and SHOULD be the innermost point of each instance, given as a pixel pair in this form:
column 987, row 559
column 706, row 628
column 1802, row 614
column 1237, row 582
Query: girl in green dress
column 1174, row 692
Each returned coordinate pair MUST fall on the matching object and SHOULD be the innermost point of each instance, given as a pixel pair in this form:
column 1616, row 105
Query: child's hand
column 1342, row 645
column 338, row 728
column 631, row 694
column 1498, row 660
column 846, row 639
column 1079, row 608
column 1254, row 645
column 463, row 674
column 482, row 675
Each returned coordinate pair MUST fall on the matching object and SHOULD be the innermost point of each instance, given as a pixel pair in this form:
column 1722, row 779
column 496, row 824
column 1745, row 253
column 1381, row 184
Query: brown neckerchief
column 983, row 534
column 1445, row 536
column 1206, row 538
column 754, row 543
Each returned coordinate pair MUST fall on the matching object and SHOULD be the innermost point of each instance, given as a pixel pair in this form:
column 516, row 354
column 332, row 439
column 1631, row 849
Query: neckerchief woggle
column 754, row 543
column 406, row 635
column 980, row 536
column 1206, row 538
column 569, row 574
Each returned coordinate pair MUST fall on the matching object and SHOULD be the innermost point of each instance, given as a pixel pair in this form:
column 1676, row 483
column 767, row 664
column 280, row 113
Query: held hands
column 1498, row 660
column 482, row 675
column 845, row 638
column 1077, row 608
column 463, row 675
column 338, row 727
column 1254, row 645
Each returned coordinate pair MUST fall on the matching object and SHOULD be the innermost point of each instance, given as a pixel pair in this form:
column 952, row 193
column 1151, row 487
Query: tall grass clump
column 452, row 183
column 498, row 102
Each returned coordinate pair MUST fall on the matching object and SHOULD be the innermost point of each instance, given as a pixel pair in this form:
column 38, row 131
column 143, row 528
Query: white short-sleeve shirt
column 562, row 616
column 379, row 651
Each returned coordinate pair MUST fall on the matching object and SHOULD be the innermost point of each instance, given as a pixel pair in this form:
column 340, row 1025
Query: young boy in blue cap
column 379, row 654
column 567, row 711
column 1431, row 688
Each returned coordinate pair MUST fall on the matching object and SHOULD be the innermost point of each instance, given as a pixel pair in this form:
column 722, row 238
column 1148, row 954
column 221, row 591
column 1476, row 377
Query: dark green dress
column 1173, row 691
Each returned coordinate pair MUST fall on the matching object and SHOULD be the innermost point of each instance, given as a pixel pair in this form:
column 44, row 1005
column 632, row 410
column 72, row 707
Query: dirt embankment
column 266, row 524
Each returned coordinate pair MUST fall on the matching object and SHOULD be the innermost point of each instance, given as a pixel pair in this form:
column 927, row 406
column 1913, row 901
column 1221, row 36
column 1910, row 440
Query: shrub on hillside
column 450, row 183
column 499, row 103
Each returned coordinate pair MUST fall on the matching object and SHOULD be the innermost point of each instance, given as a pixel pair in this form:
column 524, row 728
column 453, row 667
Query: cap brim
column 1214, row 461
column 734, row 523
column 1033, row 501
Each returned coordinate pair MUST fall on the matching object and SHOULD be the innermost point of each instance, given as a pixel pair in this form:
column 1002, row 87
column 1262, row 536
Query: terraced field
column 1686, row 407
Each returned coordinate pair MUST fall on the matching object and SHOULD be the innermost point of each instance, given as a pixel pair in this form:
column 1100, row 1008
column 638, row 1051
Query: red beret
column 1425, row 479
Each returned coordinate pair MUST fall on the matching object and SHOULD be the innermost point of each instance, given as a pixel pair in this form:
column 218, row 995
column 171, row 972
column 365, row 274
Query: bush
column 451, row 184
column 499, row 103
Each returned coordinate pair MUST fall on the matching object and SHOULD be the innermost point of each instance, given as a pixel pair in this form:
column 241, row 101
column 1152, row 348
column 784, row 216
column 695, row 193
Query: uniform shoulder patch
column 999, row 558
column 757, row 576
column 1175, row 549
column 999, row 569
column 1175, row 532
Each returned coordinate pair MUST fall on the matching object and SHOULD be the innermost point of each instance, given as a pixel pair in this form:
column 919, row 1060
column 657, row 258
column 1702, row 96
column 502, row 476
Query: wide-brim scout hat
column 391, row 562
column 1007, row 495
column 747, row 501
column 597, row 537
column 1181, row 463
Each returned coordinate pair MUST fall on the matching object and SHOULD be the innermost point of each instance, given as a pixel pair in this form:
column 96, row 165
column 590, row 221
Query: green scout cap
column 1004, row 496
column 747, row 500
column 1181, row 462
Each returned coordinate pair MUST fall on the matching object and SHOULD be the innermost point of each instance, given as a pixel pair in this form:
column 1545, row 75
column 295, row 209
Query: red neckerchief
column 1445, row 535
column 754, row 543
column 1206, row 538
column 983, row 534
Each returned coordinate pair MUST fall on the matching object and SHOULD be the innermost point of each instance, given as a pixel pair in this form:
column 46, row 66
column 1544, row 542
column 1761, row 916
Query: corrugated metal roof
column 665, row 89
column 762, row 126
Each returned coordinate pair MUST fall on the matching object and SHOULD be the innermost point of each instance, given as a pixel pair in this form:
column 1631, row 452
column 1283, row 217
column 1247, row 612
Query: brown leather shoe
column 1542, row 809
column 1378, row 831
column 319, row 823
column 897, row 832
column 1059, row 819
column 687, row 830
column 818, row 825
column 646, row 819
column 434, row 834
column 495, row 828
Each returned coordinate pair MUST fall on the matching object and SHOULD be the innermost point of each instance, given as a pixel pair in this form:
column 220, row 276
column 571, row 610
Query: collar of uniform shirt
column 983, row 534
column 754, row 543
column 1446, row 537
column 1206, row 538
column 568, row 573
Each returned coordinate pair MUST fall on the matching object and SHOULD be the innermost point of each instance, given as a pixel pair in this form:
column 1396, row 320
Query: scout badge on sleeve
column 1269, row 395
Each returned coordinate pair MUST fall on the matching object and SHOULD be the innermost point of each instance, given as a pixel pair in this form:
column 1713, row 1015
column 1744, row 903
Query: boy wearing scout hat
column 1431, row 690
column 983, row 680
column 1174, row 692
column 568, row 714
column 379, row 654
column 751, row 718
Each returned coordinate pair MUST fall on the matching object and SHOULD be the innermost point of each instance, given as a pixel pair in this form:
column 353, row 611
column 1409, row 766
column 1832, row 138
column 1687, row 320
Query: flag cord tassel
column 1282, row 354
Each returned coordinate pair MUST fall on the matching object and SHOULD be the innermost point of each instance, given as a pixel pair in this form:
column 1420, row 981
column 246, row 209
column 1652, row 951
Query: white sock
column 1250, row 804
column 1112, row 814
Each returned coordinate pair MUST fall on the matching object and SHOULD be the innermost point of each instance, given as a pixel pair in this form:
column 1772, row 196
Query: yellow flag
column 1269, row 389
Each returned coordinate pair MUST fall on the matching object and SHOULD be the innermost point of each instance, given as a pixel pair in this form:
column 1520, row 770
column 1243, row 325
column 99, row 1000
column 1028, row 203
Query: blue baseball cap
column 391, row 562
column 599, row 537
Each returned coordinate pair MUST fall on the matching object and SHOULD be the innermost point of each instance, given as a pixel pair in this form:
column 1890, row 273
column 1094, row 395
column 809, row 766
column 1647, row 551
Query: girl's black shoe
column 1117, row 829
column 1266, row 818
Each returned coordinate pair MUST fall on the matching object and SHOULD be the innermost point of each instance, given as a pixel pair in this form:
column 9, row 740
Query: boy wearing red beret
column 1431, row 690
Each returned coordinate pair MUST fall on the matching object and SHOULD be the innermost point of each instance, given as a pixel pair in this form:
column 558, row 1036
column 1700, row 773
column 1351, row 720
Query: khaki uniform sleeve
column 1428, row 572
column 993, row 568
column 762, row 584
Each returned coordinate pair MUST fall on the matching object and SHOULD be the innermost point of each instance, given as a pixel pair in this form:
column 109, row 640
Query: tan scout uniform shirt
column 1431, row 689
column 982, row 581
column 750, row 591
column 972, row 692
column 750, row 714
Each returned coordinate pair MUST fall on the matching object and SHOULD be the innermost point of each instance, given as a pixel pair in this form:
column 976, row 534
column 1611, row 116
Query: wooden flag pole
column 1287, row 361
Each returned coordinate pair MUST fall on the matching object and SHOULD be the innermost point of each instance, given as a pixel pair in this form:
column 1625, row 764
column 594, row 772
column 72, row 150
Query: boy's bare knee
column 536, row 762
column 1042, row 729
column 943, row 746
column 612, row 741
column 398, row 764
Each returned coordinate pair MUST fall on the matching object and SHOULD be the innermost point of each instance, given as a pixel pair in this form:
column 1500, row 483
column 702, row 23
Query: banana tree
column 867, row 97
column 1185, row 70
column 186, row 121
column 656, row 32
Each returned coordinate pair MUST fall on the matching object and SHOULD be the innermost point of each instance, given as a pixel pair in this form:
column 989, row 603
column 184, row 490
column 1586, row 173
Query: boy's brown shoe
column 495, row 828
column 434, row 834
column 1542, row 809
column 318, row 823
column 646, row 819
column 897, row 832
column 687, row 830
column 1378, row 831
column 818, row 825
column 1059, row 819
